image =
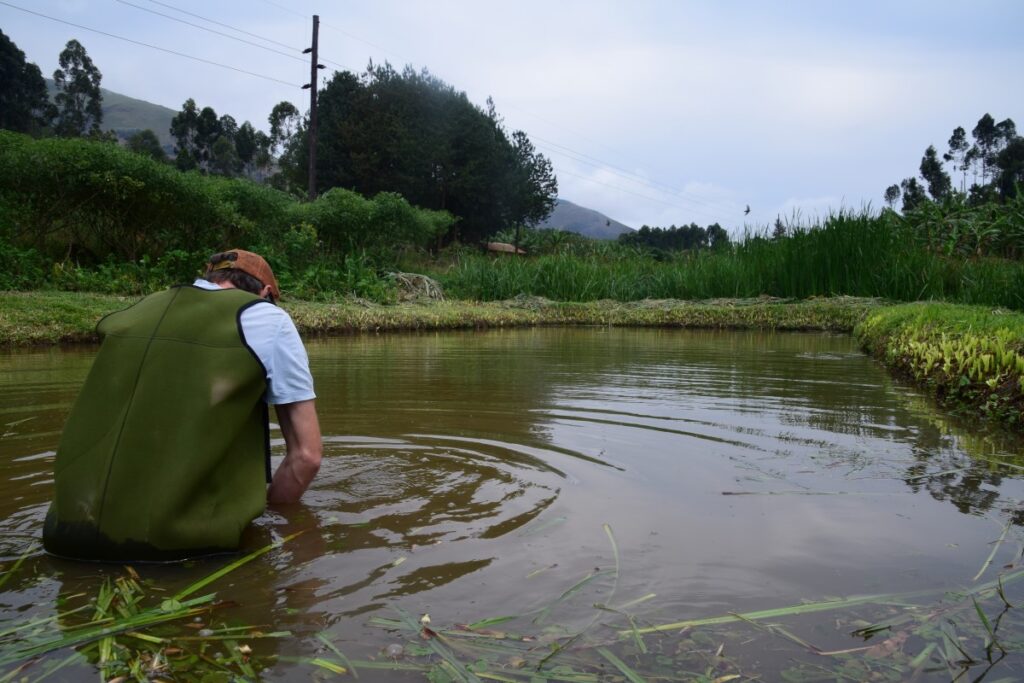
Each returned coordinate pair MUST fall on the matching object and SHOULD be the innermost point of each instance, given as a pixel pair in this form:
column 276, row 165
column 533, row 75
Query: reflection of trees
column 966, row 468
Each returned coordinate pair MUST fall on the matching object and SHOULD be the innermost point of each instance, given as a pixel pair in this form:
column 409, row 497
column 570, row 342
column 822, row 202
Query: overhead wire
column 550, row 146
column 628, row 191
column 150, row 46
column 210, row 30
column 623, row 189
column 233, row 28
column 218, row 23
column 615, row 170
column 627, row 175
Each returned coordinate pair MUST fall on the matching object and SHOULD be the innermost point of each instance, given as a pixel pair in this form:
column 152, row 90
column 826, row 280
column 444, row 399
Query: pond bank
column 971, row 358
column 36, row 318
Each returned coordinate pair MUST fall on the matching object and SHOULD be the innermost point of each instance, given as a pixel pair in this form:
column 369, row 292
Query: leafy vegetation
column 79, row 214
column 970, row 358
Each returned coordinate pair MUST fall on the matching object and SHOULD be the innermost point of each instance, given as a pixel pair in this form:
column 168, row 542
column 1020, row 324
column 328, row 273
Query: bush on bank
column 970, row 357
column 85, row 215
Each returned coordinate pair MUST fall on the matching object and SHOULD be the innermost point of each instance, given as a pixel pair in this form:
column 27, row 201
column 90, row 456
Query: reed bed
column 850, row 254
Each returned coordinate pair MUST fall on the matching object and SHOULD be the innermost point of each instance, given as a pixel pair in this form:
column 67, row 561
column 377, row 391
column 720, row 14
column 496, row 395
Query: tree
column 939, row 185
column 253, row 150
column 958, row 148
column 79, row 100
column 779, row 229
column 284, row 121
column 986, row 141
column 145, row 142
column 892, row 195
column 1011, row 167
column 196, row 132
column 913, row 194
column 533, row 184
column 718, row 237
column 410, row 132
column 223, row 157
column 24, row 104
column 184, row 129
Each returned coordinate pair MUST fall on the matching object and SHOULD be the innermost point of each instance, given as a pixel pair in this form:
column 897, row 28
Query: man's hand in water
column 304, row 448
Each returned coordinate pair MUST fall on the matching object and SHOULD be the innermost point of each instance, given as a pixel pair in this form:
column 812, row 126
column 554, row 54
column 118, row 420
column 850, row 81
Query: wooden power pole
column 313, row 68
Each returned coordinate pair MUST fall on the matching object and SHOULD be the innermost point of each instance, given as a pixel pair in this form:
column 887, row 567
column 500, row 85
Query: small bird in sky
column 747, row 211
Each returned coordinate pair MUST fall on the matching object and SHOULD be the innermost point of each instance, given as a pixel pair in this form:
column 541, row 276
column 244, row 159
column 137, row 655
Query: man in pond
column 166, row 453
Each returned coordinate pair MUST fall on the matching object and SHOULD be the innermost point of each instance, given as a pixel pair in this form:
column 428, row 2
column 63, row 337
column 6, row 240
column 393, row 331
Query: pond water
column 475, row 475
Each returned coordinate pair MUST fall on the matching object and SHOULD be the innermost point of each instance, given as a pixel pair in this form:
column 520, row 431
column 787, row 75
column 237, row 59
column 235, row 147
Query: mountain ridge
column 579, row 219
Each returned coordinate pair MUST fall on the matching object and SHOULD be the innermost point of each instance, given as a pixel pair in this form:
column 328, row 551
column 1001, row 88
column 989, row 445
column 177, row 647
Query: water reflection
column 469, row 475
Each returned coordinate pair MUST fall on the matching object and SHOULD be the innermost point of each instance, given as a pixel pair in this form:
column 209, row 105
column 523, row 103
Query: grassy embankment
column 971, row 358
column 46, row 317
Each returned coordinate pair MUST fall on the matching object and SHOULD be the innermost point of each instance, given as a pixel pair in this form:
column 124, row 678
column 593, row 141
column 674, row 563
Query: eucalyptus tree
column 892, row 195
column 79, row 100
column 957, row 154
column 913, row 194
column 939, row 184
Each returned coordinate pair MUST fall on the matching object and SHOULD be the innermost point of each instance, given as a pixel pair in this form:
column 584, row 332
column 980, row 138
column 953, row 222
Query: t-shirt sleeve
column 271, row 334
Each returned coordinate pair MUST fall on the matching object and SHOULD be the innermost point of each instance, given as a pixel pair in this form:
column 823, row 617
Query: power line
column 210, row 30
column 626, row 175
column 239, row 30
column 643, row 196
column 615, row 170
column 289, row 10
column 218, row 23
column 152, row 47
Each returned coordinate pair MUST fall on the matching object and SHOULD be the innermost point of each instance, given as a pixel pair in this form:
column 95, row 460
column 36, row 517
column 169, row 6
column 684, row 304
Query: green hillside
column 126, row 115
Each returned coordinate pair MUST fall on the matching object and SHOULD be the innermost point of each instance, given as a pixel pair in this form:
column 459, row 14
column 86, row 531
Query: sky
column 655, row 112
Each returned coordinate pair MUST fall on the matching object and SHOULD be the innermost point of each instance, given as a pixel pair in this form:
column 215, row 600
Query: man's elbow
column 309, row 460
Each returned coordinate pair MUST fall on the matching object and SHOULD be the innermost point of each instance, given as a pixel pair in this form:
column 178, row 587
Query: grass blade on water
column 10, row 572
column 991, row 555
column 344, row 660
column 630, row 675
column 205, row 581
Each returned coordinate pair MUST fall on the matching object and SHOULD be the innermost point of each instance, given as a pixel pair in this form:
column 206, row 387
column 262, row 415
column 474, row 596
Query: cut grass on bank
column 28, row 318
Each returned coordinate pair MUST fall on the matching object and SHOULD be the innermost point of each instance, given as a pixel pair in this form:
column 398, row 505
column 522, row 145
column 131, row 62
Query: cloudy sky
column 658, row 111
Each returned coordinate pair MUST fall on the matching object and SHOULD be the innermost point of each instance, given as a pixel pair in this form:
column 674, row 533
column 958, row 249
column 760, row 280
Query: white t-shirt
column 271, row 334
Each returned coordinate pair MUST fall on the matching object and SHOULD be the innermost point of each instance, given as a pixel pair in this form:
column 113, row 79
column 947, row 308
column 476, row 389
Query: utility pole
column 313, row 68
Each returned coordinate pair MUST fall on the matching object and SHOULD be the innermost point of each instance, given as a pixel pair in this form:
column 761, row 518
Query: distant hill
column 127, row 115
column 579, row 219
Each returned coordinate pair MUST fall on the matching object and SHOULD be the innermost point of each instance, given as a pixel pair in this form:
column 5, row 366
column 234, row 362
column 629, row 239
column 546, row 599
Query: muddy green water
column 470, row 475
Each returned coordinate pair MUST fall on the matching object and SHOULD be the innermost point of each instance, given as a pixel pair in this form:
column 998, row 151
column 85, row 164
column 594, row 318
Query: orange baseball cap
column 247, row 262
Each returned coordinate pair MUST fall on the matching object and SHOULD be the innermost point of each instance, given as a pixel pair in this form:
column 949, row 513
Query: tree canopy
column 684, row 237
column 24, row 104
column 412, row 133
column 79, row 100
column 992, row 161
column 218, row 145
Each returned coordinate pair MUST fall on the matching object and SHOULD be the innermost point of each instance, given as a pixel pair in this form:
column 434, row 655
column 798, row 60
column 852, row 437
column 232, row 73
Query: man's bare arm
column 304, row 448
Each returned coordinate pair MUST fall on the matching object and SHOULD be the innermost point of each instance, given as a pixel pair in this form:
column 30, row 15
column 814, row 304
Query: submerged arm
column 304, row 448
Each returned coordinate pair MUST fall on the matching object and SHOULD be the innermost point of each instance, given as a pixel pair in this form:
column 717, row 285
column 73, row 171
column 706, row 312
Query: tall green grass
column 849, row 253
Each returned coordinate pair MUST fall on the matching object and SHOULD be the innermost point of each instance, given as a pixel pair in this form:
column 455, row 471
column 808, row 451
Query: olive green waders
column 166, row 452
